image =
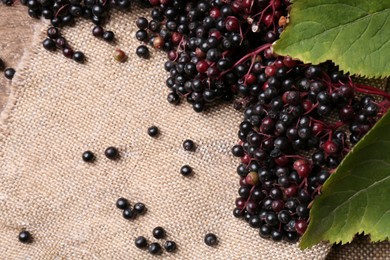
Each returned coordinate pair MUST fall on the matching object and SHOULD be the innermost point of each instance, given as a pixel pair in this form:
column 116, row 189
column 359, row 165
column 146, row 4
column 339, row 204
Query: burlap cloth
column 58, row 109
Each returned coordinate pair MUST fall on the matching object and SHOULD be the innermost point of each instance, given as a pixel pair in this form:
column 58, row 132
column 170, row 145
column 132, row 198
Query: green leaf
column 355, row 34
column 356, row 198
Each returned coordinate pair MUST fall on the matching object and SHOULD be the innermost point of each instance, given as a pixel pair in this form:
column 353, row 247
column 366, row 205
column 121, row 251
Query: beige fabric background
column 58, row 109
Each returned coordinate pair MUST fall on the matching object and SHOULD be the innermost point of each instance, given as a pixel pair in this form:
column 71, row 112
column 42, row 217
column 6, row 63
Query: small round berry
column 61, row 42
column 153, row 131
column 142, row 23
column 119, row 55
column 170, row 246
column 108, row 36
column 122, row 203
column 188, row 145
column 142, row 51
column 9, row 73
column 154, row 248
column 210, row 239
column 141, row 242
column 79, row 57
column 158, row 232
column 139, row 208
column 68, row 52
column 111, row 153
column 186, row 170
column 173, row 98
column 49, row 44
column 238, row 151
column 53, row 33
column 129, row 213
column 97, row 31
column 25, row 237
column 88, row 156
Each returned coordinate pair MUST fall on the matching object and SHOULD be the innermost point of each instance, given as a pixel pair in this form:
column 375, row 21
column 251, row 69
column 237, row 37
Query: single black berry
column 25, row 237
column 122, row 203
column 154, row 248
column 170, row 246
column 186, row 170
column 9, row 73
column 188, row 145
column 78, row 56
column 142, row 51
column 112, row 153
column 129, row 213
column 142, row 23
column 153, row 131
column 158, row 232
column 49, row 44
column 210, row 239
column 53, row 33
column 108, row 36
column 88, row 156
column 141, row 242
column 97, row 31
column 139, row 208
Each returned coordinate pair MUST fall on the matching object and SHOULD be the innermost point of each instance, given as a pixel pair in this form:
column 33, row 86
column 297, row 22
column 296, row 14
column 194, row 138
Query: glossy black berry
column 79, row 57
column 129, row 213
column 189, row 145
column 53, row 33
column 210, row 239
column 142, row 51
column 25, row 237
column 238, row 151
column 9, row 73
column 49, row 44
column 142, row 23
column 186, row 170
column 170, row 246
column 97, row 31
column 153, row 131
column 173, row 98
column 88, row 156
column 122, row 203
column 158, row 232
column 139, row 208
column 154, row 248
column 111, row 153
column 141, row 242
column 108, row 36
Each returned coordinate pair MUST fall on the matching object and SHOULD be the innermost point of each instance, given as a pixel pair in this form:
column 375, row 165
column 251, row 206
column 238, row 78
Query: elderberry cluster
column 208, row 42
column 63, row 13
column 299, row 122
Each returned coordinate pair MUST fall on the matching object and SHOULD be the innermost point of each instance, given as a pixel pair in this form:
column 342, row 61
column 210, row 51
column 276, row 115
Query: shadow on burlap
column 58, row 109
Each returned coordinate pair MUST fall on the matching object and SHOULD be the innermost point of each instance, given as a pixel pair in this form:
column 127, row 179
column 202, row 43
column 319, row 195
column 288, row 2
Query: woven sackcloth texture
column 58, row 109
column 361, row 248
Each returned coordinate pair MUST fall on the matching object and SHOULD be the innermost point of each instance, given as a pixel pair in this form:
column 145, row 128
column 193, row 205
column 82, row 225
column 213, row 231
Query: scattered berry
column 188, row 145
column 210, row 239
column 153, row 131
column 122, row 203
column 139, row 208
column 141, row 242
column 142, row 52
column 9, row 73
column 155, row 248
column 25, row 237
column 112, row 153
column 158, row 232
column 88, row 156
column 170, row 246
column 119, row 55
column 185, row 170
